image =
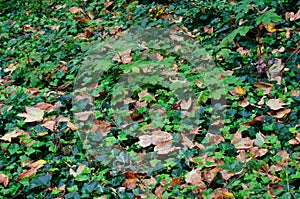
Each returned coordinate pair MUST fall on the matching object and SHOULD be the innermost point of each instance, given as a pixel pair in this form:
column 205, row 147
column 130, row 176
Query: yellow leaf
column 75, row 10
column 40, row 162
column 42, row 134
column 270, row 27
column 240, row 90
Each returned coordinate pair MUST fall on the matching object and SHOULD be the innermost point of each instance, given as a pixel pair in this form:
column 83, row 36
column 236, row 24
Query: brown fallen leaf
column 49, row 124
column 101, row 127
column 13, row 134
column 194, row 178
column 79, row 170
column 32, row 114
column 209, row 175
column 243, row 51
column 27, row 173
column 275, row 104
column 241, row 143
column 165, row 147
column 266, row 87
column 244, row 103
column 282, row 113
column 45, row 107
column 226, row 175
column 4, row 180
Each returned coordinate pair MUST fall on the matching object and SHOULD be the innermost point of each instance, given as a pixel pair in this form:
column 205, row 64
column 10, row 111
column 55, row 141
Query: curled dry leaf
column 226, row 175
column 4, row 180
column 243, row 51
column 244, row 103
column 275, row 104
column 241, row 143
column 296, row 140
column 292, row 16
column 32, row 114
column 34, row 167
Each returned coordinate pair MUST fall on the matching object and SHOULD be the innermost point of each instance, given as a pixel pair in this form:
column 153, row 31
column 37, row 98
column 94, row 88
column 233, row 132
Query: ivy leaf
column 32, row 114
column 268, row 17
column 243, row 30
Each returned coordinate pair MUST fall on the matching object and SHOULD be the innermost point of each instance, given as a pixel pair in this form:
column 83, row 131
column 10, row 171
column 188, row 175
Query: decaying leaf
column 78, row 171
column 270, row 27
column 165, row 147
column 154, row 138
column 244, row 103
column 13, row 134
column 238, row 91
column 4, row 180
column 34, row 167
column 241, row 143
column 266, row 87
column 292, row 16
column 209, row 175
column 75, row 10
column 282, row 113
column 101, row 127
column 194, row 178
column 32, row 114
column 275, row 104
column 45, row 107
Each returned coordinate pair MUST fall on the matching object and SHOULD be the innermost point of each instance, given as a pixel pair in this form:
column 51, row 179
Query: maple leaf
column 32, row 114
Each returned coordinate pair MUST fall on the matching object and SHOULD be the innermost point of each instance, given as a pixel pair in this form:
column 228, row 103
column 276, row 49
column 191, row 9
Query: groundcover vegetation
column 244, row 103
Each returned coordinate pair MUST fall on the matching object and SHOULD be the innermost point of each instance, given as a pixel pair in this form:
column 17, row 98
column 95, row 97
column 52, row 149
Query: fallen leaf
column 292, row 16
column 238, row 91
column 194, row 178
column 241, row 143
column 13, row 134
column 4, row 180
column 49, row 124
column 123, row 57
column 79, row 170
column 226, row 175
column 32, row 114
column 101, row 127
column 84, row 116
column 165, row 147
column 186, row 141
column 209, row 175
column 45, row 107
column 244, row 103
column 282, row 113
column 266, row 87
column 270, row 27
column 27, row 173
column 75, row 10
column 221, row 193
column 275, row 104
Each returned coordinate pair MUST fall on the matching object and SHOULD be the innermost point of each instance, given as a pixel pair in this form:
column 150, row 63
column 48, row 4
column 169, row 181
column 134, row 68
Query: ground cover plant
column 63, row 74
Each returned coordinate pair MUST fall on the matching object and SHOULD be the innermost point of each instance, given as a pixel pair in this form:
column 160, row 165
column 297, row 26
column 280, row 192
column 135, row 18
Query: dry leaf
column 49, row 124
column 194, row 178
column 270, row 27
column 101, row 127
column 75, row 10
column 292, row 16
column 165, row 147
column 241, row 143
column 4, row 180
column 238, row 91
column 282, row 113
column 186, row 141
column 13, row 134
column 45, row 107
column 266, row 87
column 78, row 171
column 32, row 114
column 275, row 104
column 83, row 116
column 123, row 57
column 244, row 103
column 209, row 175
column 226, row 175
column 27, row 173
